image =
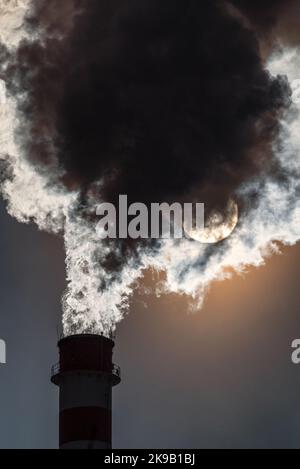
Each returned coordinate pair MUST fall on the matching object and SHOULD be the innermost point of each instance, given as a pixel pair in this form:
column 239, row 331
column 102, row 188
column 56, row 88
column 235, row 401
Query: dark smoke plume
column 162, row 100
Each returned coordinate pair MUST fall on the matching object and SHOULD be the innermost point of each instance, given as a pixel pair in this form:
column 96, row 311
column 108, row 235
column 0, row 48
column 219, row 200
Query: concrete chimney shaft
column 85, row 375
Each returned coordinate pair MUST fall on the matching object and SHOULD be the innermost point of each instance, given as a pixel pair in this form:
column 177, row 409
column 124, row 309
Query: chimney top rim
column 99, row 337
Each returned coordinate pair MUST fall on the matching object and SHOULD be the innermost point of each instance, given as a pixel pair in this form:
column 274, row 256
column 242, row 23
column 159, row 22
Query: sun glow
column 219, row 226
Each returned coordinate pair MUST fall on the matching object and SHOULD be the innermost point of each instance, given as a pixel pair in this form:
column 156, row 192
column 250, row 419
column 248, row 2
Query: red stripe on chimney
column 85, row 423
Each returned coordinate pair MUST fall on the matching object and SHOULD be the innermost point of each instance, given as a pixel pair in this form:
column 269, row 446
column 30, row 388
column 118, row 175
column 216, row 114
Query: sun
column 218, row 227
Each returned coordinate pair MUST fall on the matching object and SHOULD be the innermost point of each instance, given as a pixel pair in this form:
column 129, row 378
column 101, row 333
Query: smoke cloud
column 159, row 100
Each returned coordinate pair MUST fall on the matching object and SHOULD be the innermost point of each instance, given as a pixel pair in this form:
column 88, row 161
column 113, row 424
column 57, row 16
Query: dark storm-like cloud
column 162, row 100
column 273, row 20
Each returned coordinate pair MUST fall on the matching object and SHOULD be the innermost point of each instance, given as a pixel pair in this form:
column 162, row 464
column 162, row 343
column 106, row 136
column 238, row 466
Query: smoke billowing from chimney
column 159, row 100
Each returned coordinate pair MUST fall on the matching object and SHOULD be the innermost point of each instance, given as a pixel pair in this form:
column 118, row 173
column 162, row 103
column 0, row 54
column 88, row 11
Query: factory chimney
column 85, row 375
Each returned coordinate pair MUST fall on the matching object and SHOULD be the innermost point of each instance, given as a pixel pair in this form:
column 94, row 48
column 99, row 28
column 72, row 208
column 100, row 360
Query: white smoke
column 276, row 218
column 11, row 20
column 190, row 267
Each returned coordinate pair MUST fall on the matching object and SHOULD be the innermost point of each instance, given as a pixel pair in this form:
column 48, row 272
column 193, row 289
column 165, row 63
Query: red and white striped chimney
column 85, row 376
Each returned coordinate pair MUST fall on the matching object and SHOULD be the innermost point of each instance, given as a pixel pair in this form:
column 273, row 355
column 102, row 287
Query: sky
column 138, row 98
column 221, row 378
column 162, row 101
